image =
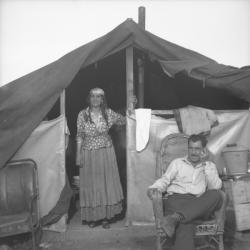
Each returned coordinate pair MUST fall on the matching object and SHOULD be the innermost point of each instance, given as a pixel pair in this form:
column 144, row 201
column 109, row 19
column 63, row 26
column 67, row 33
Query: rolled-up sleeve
column 116, row 118
column 212, row 176
column 80, row 124
column 162, row 183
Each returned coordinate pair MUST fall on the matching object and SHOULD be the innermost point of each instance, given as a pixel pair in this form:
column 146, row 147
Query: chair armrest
column 220, row 214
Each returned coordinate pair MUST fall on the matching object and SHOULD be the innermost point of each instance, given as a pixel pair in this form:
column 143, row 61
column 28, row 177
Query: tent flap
column 235, row 80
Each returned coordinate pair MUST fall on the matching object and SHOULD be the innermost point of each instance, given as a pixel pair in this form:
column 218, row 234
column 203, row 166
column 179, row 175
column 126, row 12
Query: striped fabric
column 100, row 188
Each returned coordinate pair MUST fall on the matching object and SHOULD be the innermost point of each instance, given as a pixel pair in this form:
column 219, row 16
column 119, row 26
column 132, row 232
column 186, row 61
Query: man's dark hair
column 199, row 137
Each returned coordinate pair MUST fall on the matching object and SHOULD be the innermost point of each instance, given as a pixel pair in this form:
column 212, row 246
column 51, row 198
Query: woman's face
column 95, row 100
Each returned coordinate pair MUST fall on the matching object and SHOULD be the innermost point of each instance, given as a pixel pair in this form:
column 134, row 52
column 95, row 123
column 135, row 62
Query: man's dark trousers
column 192, row 208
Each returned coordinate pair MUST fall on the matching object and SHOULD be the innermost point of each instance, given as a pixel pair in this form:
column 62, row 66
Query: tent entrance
column 110, row 75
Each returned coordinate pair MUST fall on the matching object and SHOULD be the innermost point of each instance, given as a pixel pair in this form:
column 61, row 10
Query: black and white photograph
column 124, row 124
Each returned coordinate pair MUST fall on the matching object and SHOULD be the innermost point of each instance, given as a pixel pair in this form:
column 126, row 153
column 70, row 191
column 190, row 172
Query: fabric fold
column 197, row 120
column 143, row 118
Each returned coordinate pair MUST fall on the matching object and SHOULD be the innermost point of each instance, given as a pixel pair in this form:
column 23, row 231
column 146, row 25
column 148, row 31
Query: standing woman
column 100, row 188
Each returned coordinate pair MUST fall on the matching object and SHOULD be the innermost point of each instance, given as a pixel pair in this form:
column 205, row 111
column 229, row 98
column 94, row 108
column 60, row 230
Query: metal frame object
column 20, row 202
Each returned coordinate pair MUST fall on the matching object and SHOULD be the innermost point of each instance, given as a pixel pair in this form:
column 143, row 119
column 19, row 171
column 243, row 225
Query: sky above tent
column 35, row 33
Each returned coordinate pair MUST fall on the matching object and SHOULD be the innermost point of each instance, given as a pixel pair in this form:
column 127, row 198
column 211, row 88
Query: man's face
column 195, row 151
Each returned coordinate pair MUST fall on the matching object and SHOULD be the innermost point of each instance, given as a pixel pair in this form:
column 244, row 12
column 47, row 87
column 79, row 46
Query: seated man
column 192, row 184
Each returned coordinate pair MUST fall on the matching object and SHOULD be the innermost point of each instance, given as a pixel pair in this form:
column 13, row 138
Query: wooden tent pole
column 140, row 64
column 62, row 103
column 62, row 112
column 130, row 106
column 141, row 16
column 130, row 77
column 140, row 61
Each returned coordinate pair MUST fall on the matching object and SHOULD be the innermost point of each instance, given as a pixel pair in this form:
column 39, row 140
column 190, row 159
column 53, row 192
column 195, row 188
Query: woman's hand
column 134, row 100
column 130, row 111
column 131, row 104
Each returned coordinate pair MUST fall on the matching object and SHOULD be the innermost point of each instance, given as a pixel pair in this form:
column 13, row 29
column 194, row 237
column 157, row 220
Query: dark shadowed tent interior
column 174, row 77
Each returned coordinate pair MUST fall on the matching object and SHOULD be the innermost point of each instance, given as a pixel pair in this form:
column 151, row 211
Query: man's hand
column 152, row 192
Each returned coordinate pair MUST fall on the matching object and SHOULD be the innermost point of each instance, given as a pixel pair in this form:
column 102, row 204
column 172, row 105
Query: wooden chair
column 174, row 146
column 19, row 208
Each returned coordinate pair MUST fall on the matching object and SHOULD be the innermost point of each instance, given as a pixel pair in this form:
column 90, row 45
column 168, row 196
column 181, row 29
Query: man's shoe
column 93, row 224
column 105, row 224
column 84, row 222
column 170, row 222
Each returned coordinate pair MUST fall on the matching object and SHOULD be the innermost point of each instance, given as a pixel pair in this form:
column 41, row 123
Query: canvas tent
column 174, row 77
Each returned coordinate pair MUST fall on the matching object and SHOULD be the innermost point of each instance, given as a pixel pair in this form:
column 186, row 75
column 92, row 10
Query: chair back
column 18, row 187
column 173, row 146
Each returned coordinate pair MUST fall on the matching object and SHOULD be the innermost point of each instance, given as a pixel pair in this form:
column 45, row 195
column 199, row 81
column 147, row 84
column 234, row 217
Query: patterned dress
column 100, row 187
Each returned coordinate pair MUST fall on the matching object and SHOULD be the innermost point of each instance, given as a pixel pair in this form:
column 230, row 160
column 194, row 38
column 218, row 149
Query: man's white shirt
column 183, row 178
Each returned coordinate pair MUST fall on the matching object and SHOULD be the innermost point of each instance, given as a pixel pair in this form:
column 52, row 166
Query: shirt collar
column 201, row 164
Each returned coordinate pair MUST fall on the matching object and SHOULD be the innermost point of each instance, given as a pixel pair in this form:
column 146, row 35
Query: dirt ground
column 123, row 238
column 118, row 237
column 131, row 242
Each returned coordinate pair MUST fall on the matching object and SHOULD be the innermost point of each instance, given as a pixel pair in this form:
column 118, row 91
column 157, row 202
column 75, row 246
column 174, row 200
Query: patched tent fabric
column 25, row 101
column 212, row 74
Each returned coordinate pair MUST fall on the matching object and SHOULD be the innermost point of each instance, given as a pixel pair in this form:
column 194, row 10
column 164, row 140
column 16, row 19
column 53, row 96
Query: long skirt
column 100, row 187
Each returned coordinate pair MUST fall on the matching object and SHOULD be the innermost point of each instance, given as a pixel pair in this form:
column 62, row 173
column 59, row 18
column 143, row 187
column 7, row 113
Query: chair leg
column 221, row 243
column 33, row 239
column 158, row 242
